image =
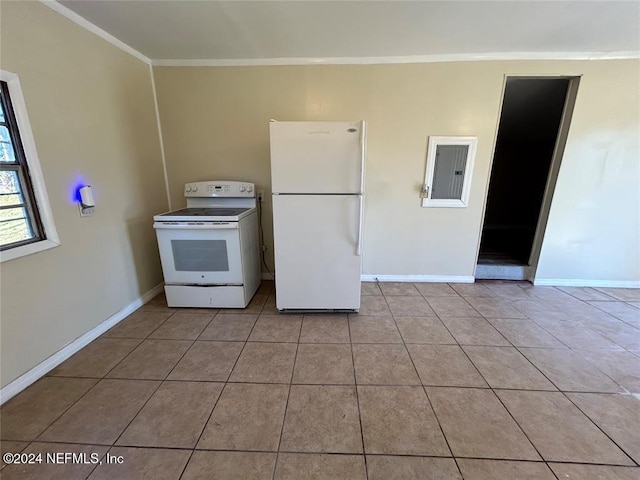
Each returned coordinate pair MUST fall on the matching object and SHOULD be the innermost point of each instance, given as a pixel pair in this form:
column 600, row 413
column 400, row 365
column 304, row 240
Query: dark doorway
column 529, row 123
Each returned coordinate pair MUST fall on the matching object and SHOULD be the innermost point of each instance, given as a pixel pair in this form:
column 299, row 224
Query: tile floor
column 485, row 381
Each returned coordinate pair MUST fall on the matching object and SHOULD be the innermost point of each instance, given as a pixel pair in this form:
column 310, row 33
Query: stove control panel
column 220, row 189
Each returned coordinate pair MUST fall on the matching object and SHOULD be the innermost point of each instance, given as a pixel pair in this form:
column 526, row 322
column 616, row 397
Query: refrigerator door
column 317, row 157
column 316, row 241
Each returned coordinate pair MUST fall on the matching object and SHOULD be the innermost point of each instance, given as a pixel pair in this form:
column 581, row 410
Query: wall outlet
column 261, row 196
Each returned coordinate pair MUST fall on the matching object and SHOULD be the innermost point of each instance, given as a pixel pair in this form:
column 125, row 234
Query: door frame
column 554, row 167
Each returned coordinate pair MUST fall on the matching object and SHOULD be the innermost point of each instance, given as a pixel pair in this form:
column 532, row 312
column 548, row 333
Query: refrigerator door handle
column 363, row 148
column 360, row 218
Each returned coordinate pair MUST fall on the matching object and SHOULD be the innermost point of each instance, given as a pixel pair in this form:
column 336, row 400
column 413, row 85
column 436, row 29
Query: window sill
column 29, row 249
column 427, row 202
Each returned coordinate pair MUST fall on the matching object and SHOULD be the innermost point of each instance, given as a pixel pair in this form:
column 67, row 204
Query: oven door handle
column 195, row 226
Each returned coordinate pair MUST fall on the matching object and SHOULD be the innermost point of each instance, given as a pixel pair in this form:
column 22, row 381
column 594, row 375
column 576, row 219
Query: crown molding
column 445, row 58
column 86, row 24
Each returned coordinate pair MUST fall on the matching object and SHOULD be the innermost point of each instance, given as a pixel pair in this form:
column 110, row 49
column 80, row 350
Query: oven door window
column 200, row 257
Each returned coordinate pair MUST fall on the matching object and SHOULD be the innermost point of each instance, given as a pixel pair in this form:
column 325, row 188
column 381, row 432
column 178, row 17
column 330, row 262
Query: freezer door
column 317, row 157
column 316, row 243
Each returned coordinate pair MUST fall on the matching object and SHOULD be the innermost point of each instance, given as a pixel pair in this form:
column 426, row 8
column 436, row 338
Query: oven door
column 200, row 253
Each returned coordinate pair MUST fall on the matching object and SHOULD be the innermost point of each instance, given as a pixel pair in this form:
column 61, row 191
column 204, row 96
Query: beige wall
column 215, row 126
column 92, row 113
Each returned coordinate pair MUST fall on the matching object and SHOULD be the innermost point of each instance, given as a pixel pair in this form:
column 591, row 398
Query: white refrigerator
column 317, row 181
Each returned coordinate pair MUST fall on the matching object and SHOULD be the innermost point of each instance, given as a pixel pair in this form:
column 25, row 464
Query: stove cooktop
column 206, row 214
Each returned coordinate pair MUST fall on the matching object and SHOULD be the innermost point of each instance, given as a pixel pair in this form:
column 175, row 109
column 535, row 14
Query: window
column 26, row 225
column 448, row 173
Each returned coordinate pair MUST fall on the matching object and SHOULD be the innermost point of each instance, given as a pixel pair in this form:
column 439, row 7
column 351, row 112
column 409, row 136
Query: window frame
column 30, row 176
column 432, row 149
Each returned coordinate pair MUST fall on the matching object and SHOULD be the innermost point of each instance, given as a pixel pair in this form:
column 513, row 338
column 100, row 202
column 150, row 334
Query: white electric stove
column 210, row 251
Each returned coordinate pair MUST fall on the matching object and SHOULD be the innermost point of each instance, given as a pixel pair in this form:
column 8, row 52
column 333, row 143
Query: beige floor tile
column 495, row 307
column 445, row 365
column 428, row 330
column 622, row 367
column 621, row 310
column 399, row 421
column 509, row 289
column 578, row 310
column 477, row 425
column 436, row 290
column 505, row 367
column 29, row 413
column 548, row 317
column 207, row 361
column 474, row 331
column 139, row 324
column 328, row 364
column 266, row 287
column 374, row 305
column 370, row 288
column 96, row 359
column 525, row 333
column 384, row 467
column 276, row 328
column 182, row 326
column 255, row 306
column 409, row 306
column 151, row 360
column 576, row 335
column 586, row 293
column 559, row 431
column 265, row 363
column 269, row 307
column 398, row 288
column 230, row 466
column 294, row 466
column 174, row 416
column 10, row 447
column 383, row 365
column 143, row 463
column 594, row 472
column 546, row 293
column 229, row 327
column 322, row 419
column 619, row 332
column 617, row 415
column 623, row 294
column 474, row 469
column 246, row 417
column 102, row 414
column 373, row 329
column 325, row 329
column 569, row 371
column 533, row 308
column 473, row 290
column 451, row 307
column 49, row 470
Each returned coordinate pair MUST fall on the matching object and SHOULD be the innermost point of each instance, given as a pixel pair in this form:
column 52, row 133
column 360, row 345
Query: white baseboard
column 418, row 278
column 40, row 370
column 576, row 282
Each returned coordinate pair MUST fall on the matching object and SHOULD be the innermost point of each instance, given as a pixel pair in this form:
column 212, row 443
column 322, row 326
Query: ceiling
column 254, row 31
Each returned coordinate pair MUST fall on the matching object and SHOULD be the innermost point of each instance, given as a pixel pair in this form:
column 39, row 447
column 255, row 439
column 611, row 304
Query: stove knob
column 249, row 188
column 242, row 188
column 195, row 188
column 188, row 188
